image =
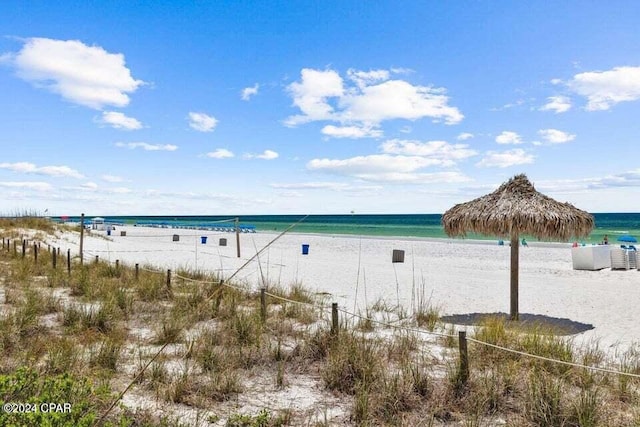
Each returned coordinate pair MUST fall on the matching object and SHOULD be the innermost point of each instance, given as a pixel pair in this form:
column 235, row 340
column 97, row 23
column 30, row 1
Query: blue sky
column 265, row 107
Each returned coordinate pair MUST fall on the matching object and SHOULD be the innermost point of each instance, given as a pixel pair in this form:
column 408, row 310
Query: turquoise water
column 417, row 225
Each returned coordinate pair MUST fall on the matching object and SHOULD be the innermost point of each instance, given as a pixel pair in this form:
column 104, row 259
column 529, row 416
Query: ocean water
column 415, row 225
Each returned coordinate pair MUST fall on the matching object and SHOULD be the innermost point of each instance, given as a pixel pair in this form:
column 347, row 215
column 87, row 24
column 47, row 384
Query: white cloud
column 202, row 122
column 85, row 75
column 375, row 163
column 89, row 186
column 147, row 147
column 332, row 186
column 220, row 153
column 508, row 137
column 266, row 155
column 620, row 180
column 397, row 99
column 353, row 132
column 464, row 136
column 366, row 78
column 311, row 186
column 22, row 167
column 112, row 178
column 36, row 186
column 604, row 89
column 509, row 105
column 558, row 104
column 248, row 92
column 400, row 70
column 371, row 99
column 440, row 151
column 400, row 161
column 311, row 93
column 504, row 159
column 56, row 171
column 416, row 178
column 189, row 195
column 555, row 136
column 385, row 168
column 120, row 121
column 119, row 190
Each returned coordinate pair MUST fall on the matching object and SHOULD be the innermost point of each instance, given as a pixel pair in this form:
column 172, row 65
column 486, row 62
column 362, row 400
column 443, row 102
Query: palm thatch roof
column 517, row 208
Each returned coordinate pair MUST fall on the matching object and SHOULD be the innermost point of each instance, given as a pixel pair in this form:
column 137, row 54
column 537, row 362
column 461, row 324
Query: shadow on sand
column 555, row 325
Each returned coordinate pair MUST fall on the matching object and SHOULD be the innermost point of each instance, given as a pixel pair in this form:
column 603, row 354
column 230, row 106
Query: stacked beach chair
column 620, row 259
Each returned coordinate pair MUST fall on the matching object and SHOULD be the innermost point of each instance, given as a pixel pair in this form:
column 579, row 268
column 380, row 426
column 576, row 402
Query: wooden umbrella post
column 515, row 246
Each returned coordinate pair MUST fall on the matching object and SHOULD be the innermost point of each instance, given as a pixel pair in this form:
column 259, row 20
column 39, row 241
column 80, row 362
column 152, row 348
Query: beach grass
column 104, row 324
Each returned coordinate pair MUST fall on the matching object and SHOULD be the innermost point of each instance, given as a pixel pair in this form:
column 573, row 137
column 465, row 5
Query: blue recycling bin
column 305, row 249
column 203, row 239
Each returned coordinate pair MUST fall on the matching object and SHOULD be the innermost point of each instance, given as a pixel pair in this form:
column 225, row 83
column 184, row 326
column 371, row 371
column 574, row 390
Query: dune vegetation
column 186, row 348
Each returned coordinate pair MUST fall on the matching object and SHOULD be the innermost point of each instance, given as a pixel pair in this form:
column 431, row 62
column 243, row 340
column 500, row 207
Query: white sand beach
column 458, row 276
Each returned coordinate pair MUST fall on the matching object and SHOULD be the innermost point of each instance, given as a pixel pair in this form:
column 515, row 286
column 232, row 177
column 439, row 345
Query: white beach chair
column 633, row 259
column 619, row 259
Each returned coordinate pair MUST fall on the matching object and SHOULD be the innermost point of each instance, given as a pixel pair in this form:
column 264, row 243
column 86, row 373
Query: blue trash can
column 203, row 239
column 305, row 249
column 108, row 232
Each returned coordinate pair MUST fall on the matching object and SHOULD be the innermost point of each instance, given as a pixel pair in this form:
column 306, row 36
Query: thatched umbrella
column 514, row 209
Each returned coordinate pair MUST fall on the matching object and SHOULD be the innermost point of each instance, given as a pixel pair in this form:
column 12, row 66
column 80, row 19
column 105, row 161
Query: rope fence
column 90, row 255
column 404, row 328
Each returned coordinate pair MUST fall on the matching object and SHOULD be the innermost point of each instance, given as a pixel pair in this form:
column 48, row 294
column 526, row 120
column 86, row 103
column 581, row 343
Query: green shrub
column 27, row 385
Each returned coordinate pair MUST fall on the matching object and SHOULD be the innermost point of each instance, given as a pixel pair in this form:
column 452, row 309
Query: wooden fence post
column 69, row 262
column 117, row 264
column 169, row 279
column 54, row 260
column 97, row 259
column 137, row 270
column 81, row 238
column 24, row 247
column 35, row 252
column 464, row 357
column 15, row 248
column 263, row 304
column 334, row 318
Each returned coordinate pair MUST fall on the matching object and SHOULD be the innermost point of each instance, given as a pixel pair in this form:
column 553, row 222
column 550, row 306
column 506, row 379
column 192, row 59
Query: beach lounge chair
column 619, row 259
column 633, row 259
